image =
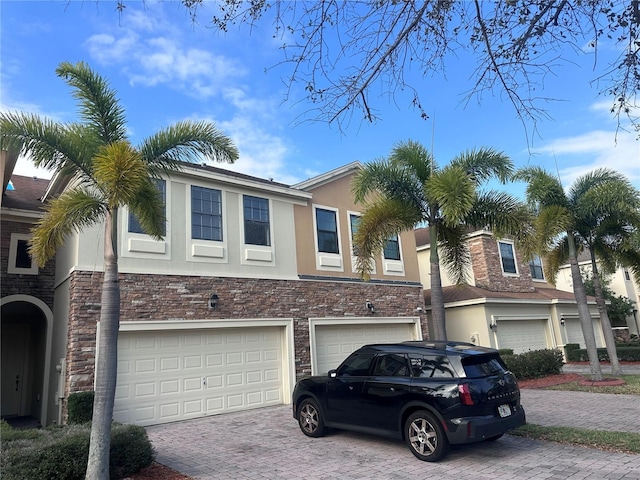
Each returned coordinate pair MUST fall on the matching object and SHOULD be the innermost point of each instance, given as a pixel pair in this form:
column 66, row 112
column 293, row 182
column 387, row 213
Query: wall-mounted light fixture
column 213, row 301
column 562, row 321
column 419, row 309
column 370, row 306
column 493, row 326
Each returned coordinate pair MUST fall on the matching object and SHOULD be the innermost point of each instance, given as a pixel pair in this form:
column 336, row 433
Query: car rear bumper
column 476, row 429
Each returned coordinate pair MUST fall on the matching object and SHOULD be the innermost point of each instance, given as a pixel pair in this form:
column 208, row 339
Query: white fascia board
column 329, row 176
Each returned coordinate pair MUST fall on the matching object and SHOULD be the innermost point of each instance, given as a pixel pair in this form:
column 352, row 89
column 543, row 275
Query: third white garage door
column 334, row 343
column 522, row 335
column 176, row 375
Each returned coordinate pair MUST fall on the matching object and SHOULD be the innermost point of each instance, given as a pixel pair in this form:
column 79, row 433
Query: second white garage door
column 334, row 343
column 176, row 375
column 522, row 335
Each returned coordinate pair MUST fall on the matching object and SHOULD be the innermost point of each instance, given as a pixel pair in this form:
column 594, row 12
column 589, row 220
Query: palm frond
column 551, row 224
column 542, row 189
column 554, row 259
column 379, row 221
column 415, row 157
column 149, row 210
column 72, row 211
column 120, row 173
column 453, row 191
column 97, row 101
column 186, row 142
column 485, row 163
column 501, row 212
column 454, row 252
column 385, row 178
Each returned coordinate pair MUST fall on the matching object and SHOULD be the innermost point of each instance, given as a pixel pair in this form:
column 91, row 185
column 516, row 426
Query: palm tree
column 105, row 172
column 591, row 215
column 409, row 189
column 609, row 214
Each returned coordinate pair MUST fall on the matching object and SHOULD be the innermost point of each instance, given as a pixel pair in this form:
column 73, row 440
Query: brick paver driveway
column 267, row 444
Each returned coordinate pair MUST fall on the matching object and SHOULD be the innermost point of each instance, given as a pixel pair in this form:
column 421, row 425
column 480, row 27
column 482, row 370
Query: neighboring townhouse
column 621, row 283
column 252, row 287
column 506, row 303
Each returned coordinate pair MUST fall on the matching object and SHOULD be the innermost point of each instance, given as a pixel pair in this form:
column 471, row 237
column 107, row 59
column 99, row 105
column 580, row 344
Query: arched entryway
column 26, row 345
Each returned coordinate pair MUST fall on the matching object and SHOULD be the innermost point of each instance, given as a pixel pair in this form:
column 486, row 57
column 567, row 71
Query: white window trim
column 263, row 255
column 393, row 267
column 331, row 262
column 13, row 254
column 515, row 260
column 354, row 257
column 206, row 251
column 141, row 245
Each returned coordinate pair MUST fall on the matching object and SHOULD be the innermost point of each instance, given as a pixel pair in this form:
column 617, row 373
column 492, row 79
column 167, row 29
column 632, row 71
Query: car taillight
column 465, row 394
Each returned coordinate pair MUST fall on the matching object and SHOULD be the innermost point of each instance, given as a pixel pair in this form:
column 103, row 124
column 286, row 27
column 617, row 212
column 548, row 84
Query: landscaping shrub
column 505, row 351
column 80, row 407
column 535, row 363
column 625, row 354
column 60, row 453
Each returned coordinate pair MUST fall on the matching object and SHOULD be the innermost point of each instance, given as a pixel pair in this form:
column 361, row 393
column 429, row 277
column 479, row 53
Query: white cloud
column 578, row 155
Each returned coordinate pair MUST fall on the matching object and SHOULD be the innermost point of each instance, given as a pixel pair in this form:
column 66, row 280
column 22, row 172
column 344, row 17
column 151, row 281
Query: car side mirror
column 333, row 373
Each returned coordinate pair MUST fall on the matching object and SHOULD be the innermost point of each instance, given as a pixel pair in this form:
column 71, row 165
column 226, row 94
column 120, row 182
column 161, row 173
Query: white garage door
column 574, row 333
column 522, row 335
column 334, row 343
column 176, row 375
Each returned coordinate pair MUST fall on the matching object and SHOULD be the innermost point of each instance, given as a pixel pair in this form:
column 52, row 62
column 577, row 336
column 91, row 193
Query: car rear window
column 483, row 365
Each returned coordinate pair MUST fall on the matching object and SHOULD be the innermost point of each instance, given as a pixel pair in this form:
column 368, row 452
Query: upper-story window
column 134, row 224
column 536, row 268
column 256, row 221
column 327, row 230
column 392, row 248
column 354, row 221
column 20, row 260
column 627, row 276
column 206, row 214
column 507, row 257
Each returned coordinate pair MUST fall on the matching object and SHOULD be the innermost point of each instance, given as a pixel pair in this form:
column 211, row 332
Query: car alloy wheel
column 425, row 437
column 310, row 419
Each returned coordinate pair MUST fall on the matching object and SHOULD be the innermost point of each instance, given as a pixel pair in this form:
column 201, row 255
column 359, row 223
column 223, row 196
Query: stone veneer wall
column 487, row 268
column 157, row 297
column 40, row 285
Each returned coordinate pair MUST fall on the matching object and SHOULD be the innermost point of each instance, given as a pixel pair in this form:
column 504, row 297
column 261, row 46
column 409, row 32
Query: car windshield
column 483, row 365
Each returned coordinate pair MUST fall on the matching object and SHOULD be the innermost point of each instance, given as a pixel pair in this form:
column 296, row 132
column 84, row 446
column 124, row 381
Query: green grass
column 611, row 441
column 630, row 387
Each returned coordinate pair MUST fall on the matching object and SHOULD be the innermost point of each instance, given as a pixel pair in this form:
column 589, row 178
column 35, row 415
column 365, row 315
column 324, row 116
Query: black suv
column 431, row 394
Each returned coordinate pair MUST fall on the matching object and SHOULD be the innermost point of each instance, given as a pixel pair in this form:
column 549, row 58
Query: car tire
column 426, row 437
column 494, row 438
column 310, row 419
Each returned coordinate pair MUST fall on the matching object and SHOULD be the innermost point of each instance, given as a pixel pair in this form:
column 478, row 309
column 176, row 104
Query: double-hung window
column 134, row 224
column 536, row 268
column 327, row 231
column 354, row 221
column 206, row 214
column 507, row 257
column 256, row 221
column 392, row 248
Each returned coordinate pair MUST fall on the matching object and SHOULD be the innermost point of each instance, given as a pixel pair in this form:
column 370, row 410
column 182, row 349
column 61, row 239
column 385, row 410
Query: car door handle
column 350, row 387
column 392, row 389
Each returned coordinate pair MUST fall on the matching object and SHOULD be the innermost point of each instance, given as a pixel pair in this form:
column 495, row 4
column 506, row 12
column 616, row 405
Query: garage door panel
column 185, row 379
column 335, row 342
column 522, row 335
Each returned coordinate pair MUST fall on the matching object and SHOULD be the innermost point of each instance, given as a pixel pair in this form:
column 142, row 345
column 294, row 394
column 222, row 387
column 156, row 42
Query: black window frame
column 328, row 241
column 392, row 248
column 535, row 264
column 257, row 220
column 206, row 222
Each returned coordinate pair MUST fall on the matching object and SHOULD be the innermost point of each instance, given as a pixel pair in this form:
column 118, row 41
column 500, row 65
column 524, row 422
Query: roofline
column 329, row 176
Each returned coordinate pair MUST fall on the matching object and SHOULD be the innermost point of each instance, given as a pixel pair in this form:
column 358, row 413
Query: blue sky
column 165, row 69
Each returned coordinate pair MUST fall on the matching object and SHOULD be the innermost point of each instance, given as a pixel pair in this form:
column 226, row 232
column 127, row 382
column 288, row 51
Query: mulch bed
column 551, row 380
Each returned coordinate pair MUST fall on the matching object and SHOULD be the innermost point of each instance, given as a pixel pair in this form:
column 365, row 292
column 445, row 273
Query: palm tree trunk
column 437, row 295
column 604, row 319
column 583, row 312
column 106, row 368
